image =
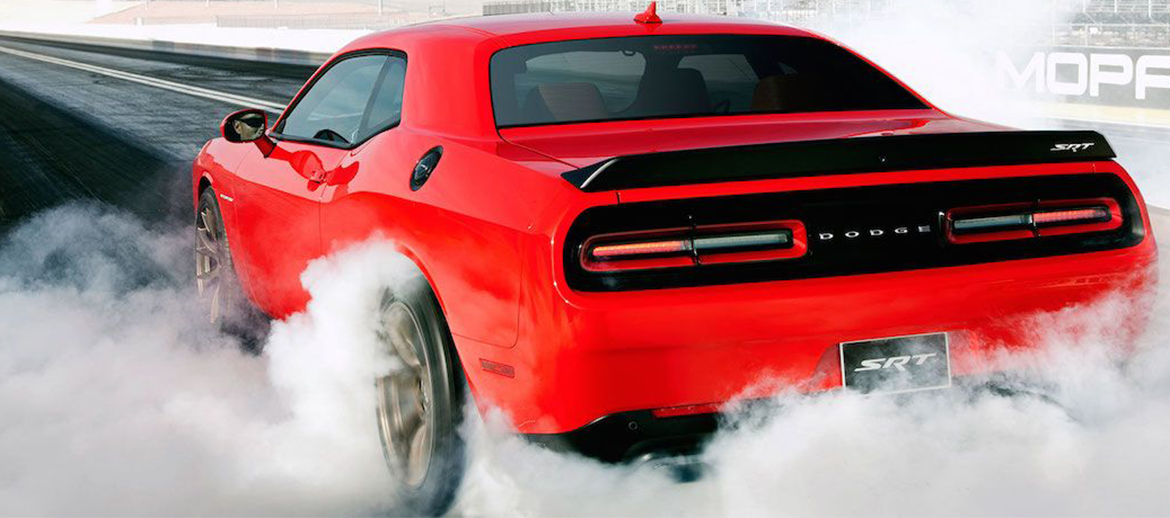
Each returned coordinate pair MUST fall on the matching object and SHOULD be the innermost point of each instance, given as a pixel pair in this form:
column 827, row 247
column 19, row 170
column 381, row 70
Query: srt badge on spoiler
column 1075, row 148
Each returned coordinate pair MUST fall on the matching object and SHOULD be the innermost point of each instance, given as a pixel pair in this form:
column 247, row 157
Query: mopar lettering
column 1080, row 73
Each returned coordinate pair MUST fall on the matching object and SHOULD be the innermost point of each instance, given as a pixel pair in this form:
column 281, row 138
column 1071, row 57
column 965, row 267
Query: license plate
column 897, row 364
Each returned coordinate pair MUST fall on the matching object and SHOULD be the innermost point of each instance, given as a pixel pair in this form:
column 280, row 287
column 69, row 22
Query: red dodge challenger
column 621, row 222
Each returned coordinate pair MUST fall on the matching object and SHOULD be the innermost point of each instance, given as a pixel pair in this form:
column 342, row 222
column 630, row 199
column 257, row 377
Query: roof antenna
column 650, row 16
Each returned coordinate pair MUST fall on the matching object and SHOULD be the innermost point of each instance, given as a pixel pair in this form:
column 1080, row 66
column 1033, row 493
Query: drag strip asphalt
column 119, row 127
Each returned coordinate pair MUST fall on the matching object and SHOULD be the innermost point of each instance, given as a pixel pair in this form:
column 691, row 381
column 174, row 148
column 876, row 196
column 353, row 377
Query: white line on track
column 194, row 91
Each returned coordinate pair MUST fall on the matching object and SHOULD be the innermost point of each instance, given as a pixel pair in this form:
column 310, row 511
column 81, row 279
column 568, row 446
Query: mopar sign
column 1091, row 75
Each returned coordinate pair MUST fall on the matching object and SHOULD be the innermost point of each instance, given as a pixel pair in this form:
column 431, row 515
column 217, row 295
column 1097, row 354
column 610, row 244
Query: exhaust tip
column 682, row 469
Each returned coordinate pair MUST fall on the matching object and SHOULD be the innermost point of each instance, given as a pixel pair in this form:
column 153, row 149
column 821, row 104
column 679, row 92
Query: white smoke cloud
column 1083, row 444
column 947, row 49
column 118, row 400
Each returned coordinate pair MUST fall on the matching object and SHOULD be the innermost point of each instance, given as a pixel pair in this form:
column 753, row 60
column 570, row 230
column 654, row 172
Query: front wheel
column 220, row 295
column 420, row 401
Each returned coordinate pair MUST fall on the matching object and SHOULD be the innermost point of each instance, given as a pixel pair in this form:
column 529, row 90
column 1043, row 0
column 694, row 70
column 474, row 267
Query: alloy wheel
column 209, row 260
column 405, row 413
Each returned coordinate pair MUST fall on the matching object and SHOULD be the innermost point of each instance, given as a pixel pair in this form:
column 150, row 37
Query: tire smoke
column 117, row 399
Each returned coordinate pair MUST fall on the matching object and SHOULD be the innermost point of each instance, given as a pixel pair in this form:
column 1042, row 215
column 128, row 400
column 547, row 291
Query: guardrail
column 260, row 54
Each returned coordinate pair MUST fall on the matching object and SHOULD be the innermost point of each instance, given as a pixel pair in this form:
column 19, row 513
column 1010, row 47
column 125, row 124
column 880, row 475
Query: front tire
column 220, row 295
column 420, row 402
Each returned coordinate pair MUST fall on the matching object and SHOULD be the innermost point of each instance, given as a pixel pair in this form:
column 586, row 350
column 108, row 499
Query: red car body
column 489, row 231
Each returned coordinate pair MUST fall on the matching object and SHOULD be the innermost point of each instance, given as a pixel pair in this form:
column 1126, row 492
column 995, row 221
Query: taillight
column 610, row 252
column 680, row 247
column 1059, row 217
column 1030, row 220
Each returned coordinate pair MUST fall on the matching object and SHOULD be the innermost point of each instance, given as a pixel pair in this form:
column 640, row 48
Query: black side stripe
column 841, row 156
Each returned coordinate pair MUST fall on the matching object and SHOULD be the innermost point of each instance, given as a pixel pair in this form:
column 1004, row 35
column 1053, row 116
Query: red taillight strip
column 1056, row 217
column 708, row 244
column 646, row 248
column 621, row 249
column 1023, row 221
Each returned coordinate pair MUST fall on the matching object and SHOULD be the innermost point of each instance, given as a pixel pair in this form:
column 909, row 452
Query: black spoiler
column 840, row 156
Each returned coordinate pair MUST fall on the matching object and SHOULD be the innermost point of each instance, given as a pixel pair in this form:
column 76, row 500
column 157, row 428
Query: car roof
column 506, row 25
column 616, row 24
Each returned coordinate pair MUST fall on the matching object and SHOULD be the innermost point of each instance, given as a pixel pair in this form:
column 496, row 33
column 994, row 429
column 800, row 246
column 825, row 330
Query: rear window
column 684, row 76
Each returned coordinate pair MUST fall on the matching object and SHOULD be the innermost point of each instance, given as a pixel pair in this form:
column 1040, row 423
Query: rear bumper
column 669, row 439
column 606, row 354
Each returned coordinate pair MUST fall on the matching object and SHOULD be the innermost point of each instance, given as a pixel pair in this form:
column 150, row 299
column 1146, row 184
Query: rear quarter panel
column 463, row 228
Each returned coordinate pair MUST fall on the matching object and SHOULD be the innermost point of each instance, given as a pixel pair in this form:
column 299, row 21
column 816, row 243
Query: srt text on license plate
column 898, row 364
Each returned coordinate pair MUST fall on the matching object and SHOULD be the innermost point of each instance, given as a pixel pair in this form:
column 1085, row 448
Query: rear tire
column 420, row 403
column 223, row 300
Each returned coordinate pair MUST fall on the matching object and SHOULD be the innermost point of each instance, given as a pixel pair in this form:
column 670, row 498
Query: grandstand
column 1117, row 23
column 1089, row 23
column 1120, row 12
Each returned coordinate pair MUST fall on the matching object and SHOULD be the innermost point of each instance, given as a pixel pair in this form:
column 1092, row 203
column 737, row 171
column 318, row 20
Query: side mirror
column 248, row 126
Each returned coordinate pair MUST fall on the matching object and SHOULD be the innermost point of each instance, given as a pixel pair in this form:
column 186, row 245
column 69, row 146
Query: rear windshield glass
column 683, row 76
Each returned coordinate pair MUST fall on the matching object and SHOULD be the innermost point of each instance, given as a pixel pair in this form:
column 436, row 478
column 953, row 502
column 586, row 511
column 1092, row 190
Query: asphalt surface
column 68, row 134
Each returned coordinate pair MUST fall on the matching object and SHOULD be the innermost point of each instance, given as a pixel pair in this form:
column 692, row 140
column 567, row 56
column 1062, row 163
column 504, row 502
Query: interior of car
column 659, row 77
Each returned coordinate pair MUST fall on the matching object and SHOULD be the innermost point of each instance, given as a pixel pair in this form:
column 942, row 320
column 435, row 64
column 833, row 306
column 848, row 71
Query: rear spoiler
column 841, row 156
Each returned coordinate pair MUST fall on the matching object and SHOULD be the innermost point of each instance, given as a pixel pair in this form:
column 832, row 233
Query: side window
column 332, row 109
column 386, row 106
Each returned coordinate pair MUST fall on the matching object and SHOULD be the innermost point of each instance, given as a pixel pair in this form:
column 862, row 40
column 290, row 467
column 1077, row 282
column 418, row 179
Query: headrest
column 565, row 102
column 680, row 91
column 789, row 93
